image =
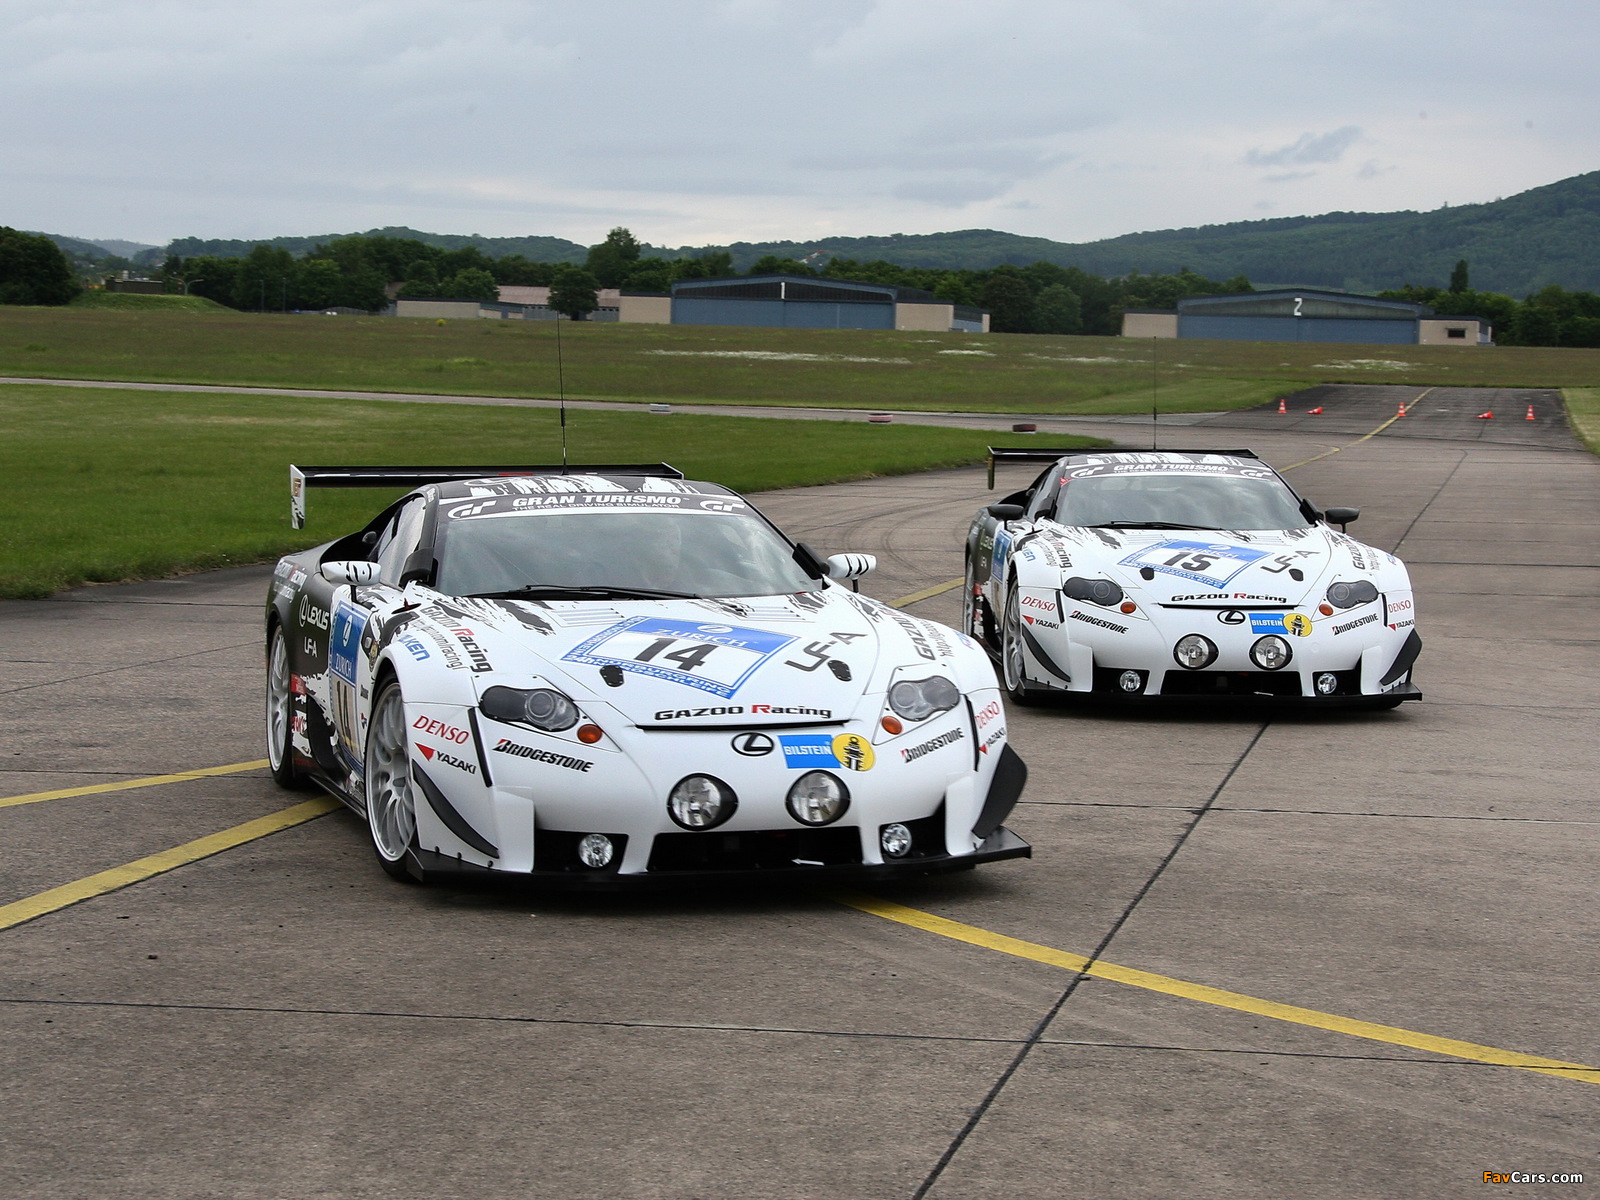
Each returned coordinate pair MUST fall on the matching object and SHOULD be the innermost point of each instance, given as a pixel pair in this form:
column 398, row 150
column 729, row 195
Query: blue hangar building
column 803, row 302
column 1307, row 315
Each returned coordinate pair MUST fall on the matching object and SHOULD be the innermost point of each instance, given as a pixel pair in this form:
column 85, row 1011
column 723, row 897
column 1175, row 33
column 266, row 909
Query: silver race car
column 615, row 675
column 1184, row 573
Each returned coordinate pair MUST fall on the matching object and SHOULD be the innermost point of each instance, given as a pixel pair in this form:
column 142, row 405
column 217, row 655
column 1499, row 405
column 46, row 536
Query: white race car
column 1184, row 573
column 615, row 675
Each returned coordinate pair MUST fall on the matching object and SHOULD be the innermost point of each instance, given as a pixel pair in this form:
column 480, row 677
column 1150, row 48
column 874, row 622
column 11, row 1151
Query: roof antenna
column 561, row 390
column 1154, row 406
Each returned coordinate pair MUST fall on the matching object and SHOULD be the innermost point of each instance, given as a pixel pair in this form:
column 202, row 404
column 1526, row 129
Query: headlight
column 1096, row 591
column 701, row 802
column 543, row 708
column 919, row 699
column 1271, row 653
column 1194, row 651
column 1348, row 595
column 817, row 798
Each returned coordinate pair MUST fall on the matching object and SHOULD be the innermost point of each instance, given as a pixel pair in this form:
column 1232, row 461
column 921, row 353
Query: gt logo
column 471, row 510
column 752, row 745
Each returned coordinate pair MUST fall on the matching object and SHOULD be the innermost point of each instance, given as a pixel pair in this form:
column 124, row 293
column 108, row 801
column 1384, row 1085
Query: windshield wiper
column 1148, row 525
column 582, row 592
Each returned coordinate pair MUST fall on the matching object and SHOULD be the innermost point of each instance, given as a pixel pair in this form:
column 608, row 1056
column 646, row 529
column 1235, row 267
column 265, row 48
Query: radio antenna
column 1155, row 407
column 561, row 391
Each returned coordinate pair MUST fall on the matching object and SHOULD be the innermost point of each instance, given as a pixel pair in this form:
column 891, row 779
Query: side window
column 398, row 540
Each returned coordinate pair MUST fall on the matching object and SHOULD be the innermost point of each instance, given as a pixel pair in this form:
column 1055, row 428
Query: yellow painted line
column 1359, row 440
column 927, row 593
column 116, row 878
column 124, row 785
column 1068, row 961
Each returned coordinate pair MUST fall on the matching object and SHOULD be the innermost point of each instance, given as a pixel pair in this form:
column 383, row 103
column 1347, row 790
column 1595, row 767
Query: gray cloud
column 1307, row 148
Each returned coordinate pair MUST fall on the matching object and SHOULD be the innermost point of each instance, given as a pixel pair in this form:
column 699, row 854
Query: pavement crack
column 154, row 662
column 1037, row 1033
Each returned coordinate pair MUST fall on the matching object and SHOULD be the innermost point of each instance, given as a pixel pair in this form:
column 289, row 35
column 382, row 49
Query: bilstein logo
column 854, row 752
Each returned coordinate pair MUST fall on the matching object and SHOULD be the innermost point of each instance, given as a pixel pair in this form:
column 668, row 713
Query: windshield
column 695, row 553
column 1179, row 500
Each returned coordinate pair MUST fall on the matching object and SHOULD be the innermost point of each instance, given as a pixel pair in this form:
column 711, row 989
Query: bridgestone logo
column 507, row 746
column 1349, row 625
column 928, row 747
column 1111, row 625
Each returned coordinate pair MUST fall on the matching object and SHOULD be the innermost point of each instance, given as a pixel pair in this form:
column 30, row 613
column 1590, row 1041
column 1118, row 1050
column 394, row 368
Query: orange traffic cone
column 1402, row 411
column 1283, row 405
column 1530, row 416
column 1486, row 416
column 1314, row 412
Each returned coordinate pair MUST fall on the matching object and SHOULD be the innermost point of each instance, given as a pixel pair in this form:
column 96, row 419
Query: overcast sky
column 710, row 121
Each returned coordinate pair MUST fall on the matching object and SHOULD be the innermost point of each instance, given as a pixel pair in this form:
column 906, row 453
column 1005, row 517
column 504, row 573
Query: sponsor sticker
column 807, row 751
column 442, row 730
column 1078, row 615
column 1211, row 563
column 344, row 642
column 752, row 745
column 516, row 750
column 938, row 742
column 1369, row 619
column 714, row 658
column 1280, row 622
column 854, row 752
column 432, row 755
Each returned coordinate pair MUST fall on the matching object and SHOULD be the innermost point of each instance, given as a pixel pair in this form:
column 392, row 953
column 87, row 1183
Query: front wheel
column 280, row 713
column 1011, row 661
column 391, row 807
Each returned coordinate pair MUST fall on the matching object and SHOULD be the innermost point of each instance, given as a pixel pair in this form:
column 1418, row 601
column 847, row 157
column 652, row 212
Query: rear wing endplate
column 1044, row 454
column 301, row 478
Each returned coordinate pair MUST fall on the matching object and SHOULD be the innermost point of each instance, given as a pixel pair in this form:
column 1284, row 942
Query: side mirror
column 1340, row 516
column 350, row 572
column 1005, row 512
column 850, row 566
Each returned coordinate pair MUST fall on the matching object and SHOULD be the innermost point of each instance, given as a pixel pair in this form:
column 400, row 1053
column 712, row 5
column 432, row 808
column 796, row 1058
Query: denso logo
column 450, row 733
column 1399, row 606
column 988, row 713
column 1049, row 606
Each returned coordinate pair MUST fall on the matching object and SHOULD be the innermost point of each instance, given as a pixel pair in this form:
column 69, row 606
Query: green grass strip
column 102, row 485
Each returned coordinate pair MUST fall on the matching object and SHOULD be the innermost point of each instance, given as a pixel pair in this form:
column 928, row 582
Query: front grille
column 765, row 850
column 1230, row 683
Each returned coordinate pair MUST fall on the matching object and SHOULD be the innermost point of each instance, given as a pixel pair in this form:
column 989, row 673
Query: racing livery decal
column 712, row 657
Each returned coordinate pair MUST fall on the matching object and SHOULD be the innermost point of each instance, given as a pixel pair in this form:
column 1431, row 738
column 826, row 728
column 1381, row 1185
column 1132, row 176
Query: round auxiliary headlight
column 1194, row 651
column 817, row 798
column 1129, row 681
column 1327, row 683
column 701, row 802
column 1271, row 653
column 595, row 850
column 895, row 840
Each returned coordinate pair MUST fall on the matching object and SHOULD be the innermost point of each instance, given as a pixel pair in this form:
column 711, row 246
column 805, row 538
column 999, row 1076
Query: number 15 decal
column 705, row 655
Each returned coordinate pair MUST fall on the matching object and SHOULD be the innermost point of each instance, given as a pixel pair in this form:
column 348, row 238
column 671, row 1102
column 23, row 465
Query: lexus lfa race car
column 1184, row 573
column 614, row 675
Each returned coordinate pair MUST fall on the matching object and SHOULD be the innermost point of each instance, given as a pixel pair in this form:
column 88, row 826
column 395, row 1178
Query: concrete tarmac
column 282, row 1020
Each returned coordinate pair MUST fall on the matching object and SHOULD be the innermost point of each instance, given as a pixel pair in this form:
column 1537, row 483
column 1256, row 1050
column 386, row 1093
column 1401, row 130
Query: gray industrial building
column 1307, row 315
column 802, row 302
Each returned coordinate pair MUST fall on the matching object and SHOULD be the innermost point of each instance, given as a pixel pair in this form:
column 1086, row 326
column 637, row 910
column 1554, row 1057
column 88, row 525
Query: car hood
column 1209, row 567
column 765, row 660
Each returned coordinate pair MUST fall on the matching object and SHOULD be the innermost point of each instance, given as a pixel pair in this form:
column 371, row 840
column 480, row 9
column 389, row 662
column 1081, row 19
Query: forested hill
column 536, row 249
column 1517, row 245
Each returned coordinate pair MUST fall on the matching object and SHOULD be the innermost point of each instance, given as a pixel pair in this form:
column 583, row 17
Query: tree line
column 364, row 272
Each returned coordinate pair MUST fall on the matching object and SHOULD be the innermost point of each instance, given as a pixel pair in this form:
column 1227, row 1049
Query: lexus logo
column 752, row 745
column 1231, row 616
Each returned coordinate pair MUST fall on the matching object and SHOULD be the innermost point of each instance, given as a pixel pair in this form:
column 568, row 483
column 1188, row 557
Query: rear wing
column 1044, row 454
column 301, row 478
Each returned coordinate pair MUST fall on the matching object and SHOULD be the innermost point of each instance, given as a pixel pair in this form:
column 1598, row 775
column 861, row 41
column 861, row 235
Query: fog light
column 818, row 798
column 596, row 850
column 895, row 840
column 700, row 802
column 1129, row 681
column 1327, row 683
column 1271, row 653
column 1194, row 651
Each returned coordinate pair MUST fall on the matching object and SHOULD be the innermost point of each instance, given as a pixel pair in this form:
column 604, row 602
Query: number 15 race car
column 1184, row 573
column 615, row 675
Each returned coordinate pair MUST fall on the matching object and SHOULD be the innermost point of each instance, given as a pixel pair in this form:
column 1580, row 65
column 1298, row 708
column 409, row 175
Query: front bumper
column 1001, row 844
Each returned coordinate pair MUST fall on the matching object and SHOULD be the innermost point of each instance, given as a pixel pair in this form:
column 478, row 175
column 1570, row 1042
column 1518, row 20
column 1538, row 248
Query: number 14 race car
column 1184, row 573
column 616, row 674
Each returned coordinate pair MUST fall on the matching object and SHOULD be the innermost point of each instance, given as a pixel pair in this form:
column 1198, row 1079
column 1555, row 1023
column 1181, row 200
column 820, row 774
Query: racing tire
column 280, row 714
column 390, row 800
column 970, row 623
column 1011, row 660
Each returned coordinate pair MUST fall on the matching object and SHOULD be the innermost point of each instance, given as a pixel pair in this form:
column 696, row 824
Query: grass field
column 1583, row 410
column 838, row 368
column 135, row 302
column 104, row 485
